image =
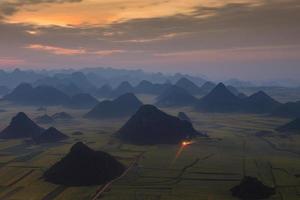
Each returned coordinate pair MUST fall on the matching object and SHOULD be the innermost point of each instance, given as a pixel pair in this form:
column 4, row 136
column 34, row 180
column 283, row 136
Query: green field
column 206, row 170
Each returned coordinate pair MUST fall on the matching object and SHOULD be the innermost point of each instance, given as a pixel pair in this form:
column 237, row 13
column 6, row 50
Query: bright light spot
column 186, row 143
column 182, row 146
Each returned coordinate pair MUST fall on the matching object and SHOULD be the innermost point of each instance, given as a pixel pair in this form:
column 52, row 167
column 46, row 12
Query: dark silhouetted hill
column 293, row 127
column 83, row 166
column 21, row 126
column 220, row 99
column 175, row 96
column 260, row 102
column 25, row 94
column 150, row 125
column 123, row 106
column 49, row 136
column 251, row 188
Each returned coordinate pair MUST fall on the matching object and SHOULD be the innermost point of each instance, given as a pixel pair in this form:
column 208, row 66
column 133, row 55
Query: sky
column 246, row 39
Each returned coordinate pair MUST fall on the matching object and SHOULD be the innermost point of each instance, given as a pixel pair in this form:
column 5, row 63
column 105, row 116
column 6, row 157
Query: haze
column 246, row 39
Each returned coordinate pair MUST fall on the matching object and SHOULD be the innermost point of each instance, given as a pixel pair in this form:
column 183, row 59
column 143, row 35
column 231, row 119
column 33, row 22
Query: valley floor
column 206, row 170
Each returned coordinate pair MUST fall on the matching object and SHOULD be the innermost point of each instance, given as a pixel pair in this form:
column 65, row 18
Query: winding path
column 103, row 188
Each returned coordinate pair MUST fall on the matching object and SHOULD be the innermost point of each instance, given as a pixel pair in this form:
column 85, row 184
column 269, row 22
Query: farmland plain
column 206, row 169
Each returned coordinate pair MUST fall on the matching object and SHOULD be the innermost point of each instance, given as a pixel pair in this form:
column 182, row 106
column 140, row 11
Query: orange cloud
column 72, row 52
column 168, row 36
column 106, row 52
column 96, row 12
column 57, row 50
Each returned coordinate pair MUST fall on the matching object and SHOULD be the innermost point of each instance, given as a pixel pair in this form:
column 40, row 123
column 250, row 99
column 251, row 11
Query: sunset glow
column 204, row 36
column 94, row 12
column 155, row 99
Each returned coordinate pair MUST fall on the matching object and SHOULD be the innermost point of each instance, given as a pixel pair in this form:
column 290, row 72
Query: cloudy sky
column 248, row 39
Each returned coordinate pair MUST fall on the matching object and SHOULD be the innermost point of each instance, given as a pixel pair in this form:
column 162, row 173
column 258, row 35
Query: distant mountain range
column 147, row 87
column 123, row 106
column 84, row 80
column 41, row 95
column 221, row 99
column 12, row 79
column 206, row 98
column 144, row 87
column 93, row 77
column 25, row 94
column 114, row 77
column 123, row 88
column 70, row 84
